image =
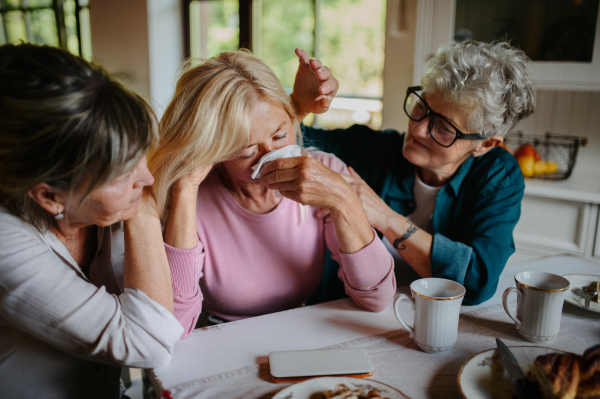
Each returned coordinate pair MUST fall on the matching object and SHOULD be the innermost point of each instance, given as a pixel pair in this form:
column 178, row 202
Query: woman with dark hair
column 85, row 286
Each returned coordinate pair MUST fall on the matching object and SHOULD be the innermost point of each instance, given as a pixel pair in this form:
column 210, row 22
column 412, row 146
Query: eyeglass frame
column 432, row 115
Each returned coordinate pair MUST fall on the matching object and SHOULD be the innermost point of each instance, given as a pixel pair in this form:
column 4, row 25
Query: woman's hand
column 314, row 87
column 193, row 179
column 148, row 207
column 307, row 181
column 378, row 212
column 180, row 227
column 146, row 267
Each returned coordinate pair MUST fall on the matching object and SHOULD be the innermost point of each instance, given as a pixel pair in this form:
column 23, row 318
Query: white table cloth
column 230, row 360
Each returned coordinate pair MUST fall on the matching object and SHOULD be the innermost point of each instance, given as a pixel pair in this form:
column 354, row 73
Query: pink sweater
column 250, row 264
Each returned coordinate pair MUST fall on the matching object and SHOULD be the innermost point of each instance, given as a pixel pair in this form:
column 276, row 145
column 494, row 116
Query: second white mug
column 540, row 298
column 436, row 302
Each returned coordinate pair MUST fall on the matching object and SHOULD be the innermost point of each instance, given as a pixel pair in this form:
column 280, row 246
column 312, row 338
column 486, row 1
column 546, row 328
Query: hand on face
column 376, row 209
column 116, row 201
column 195, row 177
column 314, row 87
column 305, row 180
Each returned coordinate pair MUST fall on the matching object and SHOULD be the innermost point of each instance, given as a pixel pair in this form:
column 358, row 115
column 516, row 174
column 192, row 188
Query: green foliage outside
column 284, row 26
column 37, row 24
column 351, row 40
column 351, row 37
column 352, row 44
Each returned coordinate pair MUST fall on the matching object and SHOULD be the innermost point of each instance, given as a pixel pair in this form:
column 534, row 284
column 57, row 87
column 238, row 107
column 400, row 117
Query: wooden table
column 230, row 360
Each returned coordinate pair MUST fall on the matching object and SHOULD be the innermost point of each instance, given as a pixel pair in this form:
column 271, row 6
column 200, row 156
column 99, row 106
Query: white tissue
column 285, row 152
column 288, row 151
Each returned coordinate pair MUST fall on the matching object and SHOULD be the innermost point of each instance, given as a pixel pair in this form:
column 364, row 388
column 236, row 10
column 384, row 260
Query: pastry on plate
column 567, row 375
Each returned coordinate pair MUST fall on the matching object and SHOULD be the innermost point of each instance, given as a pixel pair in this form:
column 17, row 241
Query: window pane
column 85, row 33
column 43, row 27
column 355, row 53
column 214, row 27
column 351, row 43
column 346, row 111
column 15, row 26
column 549, row 30
column 39, row 3
column 70, row 8
column 8, row 4
column 3, row 38
column 350, row 40
column 274, row 41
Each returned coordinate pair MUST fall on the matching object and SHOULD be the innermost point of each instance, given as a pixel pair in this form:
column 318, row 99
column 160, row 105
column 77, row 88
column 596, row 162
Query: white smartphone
column 293, row 366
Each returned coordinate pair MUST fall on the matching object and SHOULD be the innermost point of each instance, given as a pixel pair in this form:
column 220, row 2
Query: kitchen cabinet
column 436, row 25
column 561, row 216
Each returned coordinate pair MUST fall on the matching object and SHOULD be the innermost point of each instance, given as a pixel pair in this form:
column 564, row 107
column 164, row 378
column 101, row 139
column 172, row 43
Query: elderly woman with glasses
column 444, row 195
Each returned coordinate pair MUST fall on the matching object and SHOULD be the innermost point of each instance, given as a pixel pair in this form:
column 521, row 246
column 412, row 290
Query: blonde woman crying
column 244, row 250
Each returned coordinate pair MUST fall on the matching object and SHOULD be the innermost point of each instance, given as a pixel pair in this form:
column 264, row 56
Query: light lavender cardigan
column 63, row 335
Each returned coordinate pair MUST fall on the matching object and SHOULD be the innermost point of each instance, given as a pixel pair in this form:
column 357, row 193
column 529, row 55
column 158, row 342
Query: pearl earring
column 59, row 216
column 472, row 155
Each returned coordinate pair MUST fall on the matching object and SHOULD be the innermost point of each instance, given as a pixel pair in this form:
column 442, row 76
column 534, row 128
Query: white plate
column 483, row 376
column 304, row 389
column 577, row 281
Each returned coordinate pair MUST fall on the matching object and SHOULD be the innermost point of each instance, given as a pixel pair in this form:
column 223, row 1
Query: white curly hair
column 488, row 80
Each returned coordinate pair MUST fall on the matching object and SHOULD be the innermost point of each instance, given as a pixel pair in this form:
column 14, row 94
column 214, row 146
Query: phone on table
column 300, row 365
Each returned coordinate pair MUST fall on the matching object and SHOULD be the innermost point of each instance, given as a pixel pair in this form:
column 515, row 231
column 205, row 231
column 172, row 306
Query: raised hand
column 314, row 87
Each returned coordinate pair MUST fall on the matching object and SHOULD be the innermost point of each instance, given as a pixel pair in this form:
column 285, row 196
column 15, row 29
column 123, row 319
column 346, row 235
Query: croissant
column 567, row 376
column 556, row 375
column 589, row 374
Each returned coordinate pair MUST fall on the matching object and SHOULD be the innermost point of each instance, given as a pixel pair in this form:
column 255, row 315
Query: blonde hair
column 209, row 117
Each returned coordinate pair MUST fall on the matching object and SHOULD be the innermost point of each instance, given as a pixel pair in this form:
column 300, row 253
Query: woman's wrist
column 184, row 189
column 300, row 113
column 388, row 220
column 180, row 227
column 352, row 225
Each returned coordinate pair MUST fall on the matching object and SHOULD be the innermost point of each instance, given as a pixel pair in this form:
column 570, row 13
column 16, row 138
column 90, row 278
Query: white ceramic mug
column 540, row 297
column 436, row 302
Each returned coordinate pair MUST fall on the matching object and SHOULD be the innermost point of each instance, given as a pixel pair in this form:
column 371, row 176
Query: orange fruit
column 527, row 150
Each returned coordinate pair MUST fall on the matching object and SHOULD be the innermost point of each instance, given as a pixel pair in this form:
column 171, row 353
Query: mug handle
column 397, row 301
column 505, row 303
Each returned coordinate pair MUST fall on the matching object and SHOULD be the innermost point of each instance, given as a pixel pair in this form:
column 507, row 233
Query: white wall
column 398, row 69
column 575, row 113
column 165, row 37
column 140, row 42
column 120, row 40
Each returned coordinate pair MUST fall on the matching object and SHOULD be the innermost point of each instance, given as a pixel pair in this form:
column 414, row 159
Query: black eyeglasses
column 441, row 129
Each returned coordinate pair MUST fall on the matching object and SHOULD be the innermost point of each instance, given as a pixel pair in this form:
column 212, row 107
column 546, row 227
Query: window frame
column 59, row 14
column 245, row 40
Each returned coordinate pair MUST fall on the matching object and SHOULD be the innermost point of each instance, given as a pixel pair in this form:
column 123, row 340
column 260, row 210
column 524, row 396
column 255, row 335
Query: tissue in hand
column 285, row 152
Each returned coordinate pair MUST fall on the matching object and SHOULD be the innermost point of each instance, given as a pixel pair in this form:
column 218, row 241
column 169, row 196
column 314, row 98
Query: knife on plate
column 517, row 377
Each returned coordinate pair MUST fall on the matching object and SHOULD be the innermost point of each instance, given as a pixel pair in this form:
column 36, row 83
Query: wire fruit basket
column 555, row 154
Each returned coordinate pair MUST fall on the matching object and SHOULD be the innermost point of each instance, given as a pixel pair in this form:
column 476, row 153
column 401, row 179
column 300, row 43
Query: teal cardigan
column 475, row 212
